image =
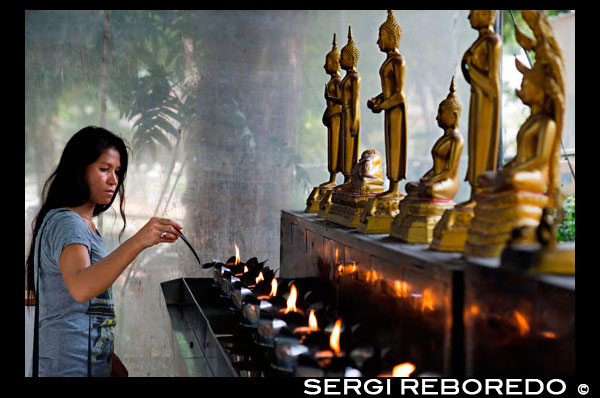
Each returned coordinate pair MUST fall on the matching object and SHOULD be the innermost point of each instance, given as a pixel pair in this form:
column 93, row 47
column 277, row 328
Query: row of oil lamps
column 291, row 335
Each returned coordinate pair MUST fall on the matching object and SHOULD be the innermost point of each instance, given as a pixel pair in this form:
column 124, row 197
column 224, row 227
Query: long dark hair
column 66, row 186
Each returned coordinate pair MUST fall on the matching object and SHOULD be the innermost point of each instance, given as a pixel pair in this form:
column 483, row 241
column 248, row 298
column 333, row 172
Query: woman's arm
column 85, row 281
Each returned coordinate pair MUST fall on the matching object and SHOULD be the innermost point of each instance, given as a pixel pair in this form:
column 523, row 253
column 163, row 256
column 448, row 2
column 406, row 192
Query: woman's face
column 101, row 176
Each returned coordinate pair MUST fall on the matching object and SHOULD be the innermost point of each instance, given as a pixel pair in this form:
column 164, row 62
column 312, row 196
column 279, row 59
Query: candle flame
column 403, row 370
column 237, row 255
column 312, row 321
column 334, row 338
column 260, row 277
column 341, row 269
column 291, row 301
column 549, row 335
column 273, row 288
column 371, row 276
column 401, row 288
column 427, row 300
column 523, row 325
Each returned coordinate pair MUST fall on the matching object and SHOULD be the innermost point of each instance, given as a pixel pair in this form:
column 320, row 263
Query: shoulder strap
column 36, row 324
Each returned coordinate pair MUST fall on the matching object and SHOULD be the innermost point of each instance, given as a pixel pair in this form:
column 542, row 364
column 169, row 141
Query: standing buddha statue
column 480, row 68
column 427, row 199
column 381, row 210
column 515, row 196
column 349, row 198
column 331, row 119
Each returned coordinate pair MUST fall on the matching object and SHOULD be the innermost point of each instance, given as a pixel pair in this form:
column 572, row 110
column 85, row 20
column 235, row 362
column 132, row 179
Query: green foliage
column 145, row 81
column 566, row 230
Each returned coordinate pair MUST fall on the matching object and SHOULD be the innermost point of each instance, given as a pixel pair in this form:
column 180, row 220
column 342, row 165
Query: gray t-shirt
column 64, row 323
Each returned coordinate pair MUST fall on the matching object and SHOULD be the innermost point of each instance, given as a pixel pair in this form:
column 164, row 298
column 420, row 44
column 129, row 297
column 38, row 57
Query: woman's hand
column 158, row 230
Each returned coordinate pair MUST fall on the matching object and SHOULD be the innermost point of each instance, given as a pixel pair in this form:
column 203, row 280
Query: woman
column 74, row 294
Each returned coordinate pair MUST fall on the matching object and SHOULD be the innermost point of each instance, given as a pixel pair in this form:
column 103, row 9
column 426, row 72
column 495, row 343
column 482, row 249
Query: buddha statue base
column 417, row 219
column 325, row 204
column 378, row 214
column 347, row 206
column 538, row 259
column 450, row 233
column 496, row 215
column 316, row 196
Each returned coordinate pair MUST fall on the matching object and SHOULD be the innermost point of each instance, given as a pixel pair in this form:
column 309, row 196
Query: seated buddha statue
column 515, row 196
column 429, row 197
column 349, row 199
column 441, row 181
column 528, row 170
column 367, row 174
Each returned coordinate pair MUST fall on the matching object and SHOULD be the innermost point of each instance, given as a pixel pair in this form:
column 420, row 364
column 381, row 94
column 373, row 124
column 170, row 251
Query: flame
column 549, row 335
column 475, row 309
column 523, row 325
column 403, row 370
column 371, row 276
column 245, row 269
column 401, row 288
column 291, row 301
column 341, row 269
column 237, row 255
column 353, row 269
column 334, row 339
column 312, row 321
column 273, row 288
column 427, row 300
column 260, row 277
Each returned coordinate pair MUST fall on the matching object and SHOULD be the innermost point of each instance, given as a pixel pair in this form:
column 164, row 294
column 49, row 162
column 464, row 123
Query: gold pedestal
column 450, row 233
column 496, row 215
column 537, row 259
column 556, row 260
column 378, row 214
column 325, row 204
column 315, row 198
column 417, row 219
column 347, row 207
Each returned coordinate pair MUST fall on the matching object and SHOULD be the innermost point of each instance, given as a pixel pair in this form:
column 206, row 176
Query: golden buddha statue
column 381, row 210
column 349, row 100
column 480, row 67
column 366, row 182
column 349, row 198
column 428, row 198
column 515, row 196
column 367, row 174
column 331, row 119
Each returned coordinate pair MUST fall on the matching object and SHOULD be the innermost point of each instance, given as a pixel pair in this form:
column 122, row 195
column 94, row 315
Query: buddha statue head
column 450, row 109
column 332, row 59
column 482, row 18
column 369, row 169
column 532, row 84
column 390, row 33
column 350, row 53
